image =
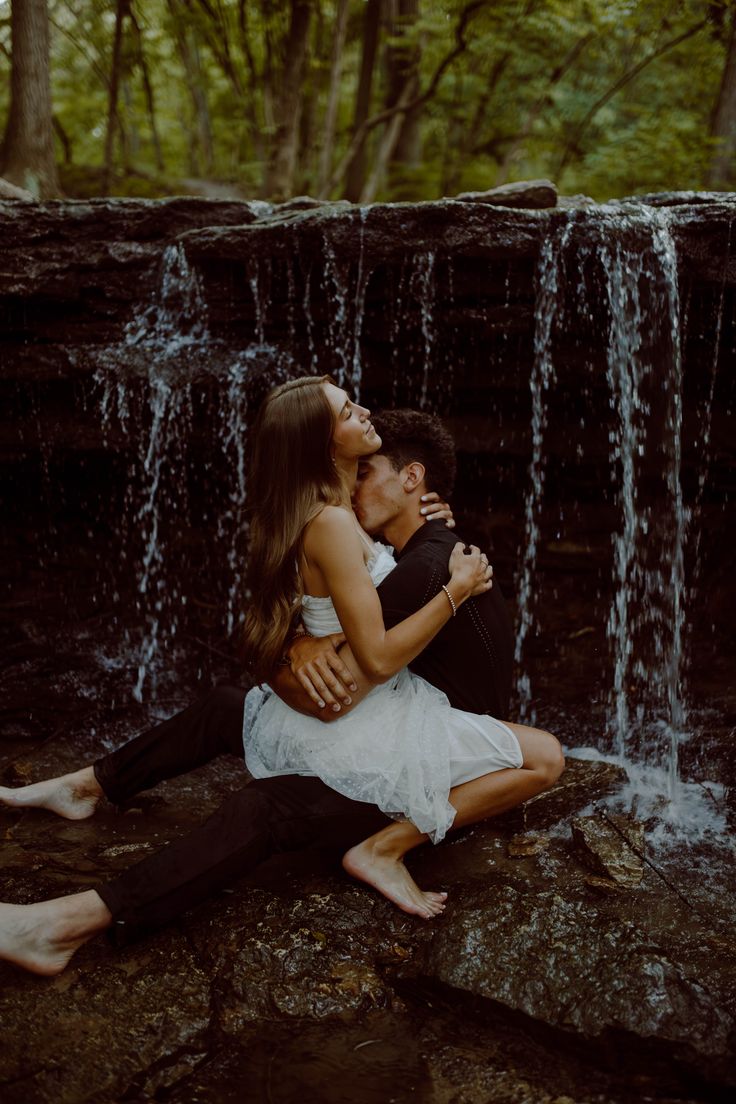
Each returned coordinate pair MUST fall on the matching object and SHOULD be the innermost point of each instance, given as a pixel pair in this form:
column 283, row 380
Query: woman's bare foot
column 73, row 796
column 43, row 937
column 385, row 871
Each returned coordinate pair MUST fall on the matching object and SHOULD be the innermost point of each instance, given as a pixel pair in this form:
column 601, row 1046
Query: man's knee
column 248, row 809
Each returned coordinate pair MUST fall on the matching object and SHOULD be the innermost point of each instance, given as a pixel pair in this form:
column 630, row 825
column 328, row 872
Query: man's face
column 379, row 494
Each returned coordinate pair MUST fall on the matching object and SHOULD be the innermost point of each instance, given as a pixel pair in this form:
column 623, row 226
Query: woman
column 403, row 747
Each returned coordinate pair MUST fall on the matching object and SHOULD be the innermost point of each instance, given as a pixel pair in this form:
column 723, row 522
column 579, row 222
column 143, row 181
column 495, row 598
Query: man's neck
column 402, row 528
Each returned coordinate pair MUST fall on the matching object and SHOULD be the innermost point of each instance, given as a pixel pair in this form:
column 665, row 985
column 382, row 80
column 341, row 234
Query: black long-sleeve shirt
column 470, row 658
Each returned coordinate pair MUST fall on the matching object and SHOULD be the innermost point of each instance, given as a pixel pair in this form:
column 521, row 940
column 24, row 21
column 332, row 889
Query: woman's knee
column 550, row 757
column 542, row 753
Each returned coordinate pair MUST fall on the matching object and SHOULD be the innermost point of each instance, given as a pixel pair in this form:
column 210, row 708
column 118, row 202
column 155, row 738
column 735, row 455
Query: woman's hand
column 470, row 572
column 433, row 509
column 320, row 671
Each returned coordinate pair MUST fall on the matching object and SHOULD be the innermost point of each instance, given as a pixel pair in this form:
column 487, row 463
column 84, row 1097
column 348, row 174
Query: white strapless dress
column 402, row 748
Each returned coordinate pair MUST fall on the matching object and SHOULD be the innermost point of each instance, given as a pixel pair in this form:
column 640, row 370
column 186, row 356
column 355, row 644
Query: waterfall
column 176, row 321
column 607, row 278
column 548, row 299
column 705, row 413
column 159, row 594
column 426, row 296
column 627, row 272
column 345, row 290
column 413, row 332
column 146, row 393
column 646, row 619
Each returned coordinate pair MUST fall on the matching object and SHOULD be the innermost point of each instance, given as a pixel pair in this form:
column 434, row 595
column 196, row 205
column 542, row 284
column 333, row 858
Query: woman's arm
column 334, row 555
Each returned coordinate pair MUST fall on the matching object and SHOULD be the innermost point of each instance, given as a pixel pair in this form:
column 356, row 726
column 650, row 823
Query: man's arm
column 315, row 663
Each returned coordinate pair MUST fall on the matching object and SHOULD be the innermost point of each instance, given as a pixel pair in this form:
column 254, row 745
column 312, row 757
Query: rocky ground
column 565, row 969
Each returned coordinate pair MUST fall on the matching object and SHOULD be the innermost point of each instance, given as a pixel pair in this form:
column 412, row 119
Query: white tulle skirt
column 402, row 748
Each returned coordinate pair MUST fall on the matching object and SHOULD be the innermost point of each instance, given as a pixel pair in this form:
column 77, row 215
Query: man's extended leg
column 210, row 727
column 265, row 817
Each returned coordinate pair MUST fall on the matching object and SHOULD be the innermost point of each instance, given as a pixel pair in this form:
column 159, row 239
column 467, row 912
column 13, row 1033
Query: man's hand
column 435, row 510
column 320, row 671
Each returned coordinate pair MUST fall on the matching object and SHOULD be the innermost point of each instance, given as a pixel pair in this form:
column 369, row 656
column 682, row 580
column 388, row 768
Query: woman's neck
column 348, row 470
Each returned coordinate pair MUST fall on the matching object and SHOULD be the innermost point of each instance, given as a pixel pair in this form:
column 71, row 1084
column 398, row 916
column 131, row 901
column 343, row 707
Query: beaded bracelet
column 451, row 600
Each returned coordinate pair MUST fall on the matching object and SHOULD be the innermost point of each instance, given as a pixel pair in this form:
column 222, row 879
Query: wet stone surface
column 298, row 973
column 612, row 846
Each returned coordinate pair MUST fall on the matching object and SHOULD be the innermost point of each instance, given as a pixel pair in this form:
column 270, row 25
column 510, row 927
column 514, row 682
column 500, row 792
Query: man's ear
column 412, row 475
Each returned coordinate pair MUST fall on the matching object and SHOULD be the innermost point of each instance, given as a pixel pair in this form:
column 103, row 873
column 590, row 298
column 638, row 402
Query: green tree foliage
column 606, row 97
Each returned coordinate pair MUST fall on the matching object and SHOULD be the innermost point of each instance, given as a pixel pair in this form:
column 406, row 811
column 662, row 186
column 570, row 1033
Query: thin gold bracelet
column 451, row 600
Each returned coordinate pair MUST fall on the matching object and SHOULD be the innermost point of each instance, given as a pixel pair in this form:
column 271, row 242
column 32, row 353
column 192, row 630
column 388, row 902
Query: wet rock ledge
column 543, row 981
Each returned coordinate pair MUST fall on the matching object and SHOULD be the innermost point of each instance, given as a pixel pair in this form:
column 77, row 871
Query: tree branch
column 403, row 108
column 572, row 144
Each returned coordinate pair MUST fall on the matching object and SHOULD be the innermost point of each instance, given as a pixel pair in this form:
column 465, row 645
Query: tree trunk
column 149, row 94
column 388, row 145
column 723, row 127
column 112, row 107
column 328, row 135
column 201, row 146
column 279, row 180
column 355, row 177
column 402, row 63
column 27, row 153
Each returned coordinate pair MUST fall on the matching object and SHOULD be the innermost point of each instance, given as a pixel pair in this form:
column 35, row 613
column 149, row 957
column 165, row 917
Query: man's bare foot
column 73, row 796
column 43, row 937
column 386, row 873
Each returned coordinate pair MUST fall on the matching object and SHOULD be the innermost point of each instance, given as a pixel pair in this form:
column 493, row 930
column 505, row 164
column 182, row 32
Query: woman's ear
column 412, row 475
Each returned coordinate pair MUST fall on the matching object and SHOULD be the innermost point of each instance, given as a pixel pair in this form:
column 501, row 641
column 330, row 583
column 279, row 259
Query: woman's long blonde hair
column 292, row 476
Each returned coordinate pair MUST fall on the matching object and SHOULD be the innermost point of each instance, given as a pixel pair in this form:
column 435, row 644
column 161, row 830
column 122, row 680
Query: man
column 469, row 659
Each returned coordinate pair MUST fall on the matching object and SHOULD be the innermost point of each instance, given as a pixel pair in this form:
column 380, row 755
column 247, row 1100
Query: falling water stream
column 636, row 288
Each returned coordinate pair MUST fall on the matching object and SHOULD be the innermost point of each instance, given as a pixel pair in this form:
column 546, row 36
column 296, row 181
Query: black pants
column 266, row 817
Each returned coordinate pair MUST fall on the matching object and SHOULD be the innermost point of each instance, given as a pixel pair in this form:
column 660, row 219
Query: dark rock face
column 584, row 966
column 133, row 332
column 528, row 193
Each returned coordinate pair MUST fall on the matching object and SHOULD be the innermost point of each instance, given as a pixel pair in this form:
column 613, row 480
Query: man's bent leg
column 264, row 818
column 210, row 727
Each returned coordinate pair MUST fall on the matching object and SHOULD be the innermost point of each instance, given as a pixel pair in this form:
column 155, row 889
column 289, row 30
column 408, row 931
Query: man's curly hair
column 408, row 435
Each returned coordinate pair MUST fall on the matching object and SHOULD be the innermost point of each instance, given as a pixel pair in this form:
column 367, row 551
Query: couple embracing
column 374, row 725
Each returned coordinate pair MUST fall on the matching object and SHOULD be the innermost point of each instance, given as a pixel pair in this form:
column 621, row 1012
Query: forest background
column 366, row 99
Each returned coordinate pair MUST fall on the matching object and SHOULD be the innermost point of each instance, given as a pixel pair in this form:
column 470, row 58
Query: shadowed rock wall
column 136, row 336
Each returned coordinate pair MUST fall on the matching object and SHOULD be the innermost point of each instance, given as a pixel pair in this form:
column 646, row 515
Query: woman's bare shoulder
column 331, row 519
column 333, row 526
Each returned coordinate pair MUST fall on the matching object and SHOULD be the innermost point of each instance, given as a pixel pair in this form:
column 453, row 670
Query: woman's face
column 353, row 435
